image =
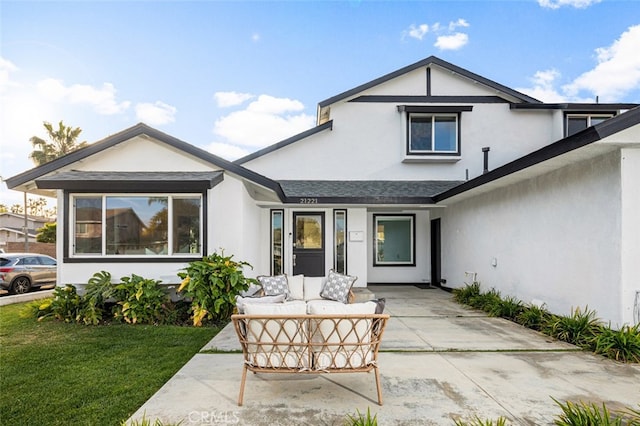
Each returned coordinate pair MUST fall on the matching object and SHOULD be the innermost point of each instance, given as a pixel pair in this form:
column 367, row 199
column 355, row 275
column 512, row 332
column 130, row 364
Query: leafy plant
column 360, row 419
column 621, row 345
column 466, row 293
column 140, row 300
column 509, row 308
column 579, row 328
column 212, row 284
column 148, row 422
column 486, row 301
column 589, row 414
column 534, row 317
column 477, row 421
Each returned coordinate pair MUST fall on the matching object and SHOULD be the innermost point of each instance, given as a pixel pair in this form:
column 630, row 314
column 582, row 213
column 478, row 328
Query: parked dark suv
column 19, row 272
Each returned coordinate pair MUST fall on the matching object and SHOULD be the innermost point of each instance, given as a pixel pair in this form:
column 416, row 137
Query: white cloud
column 156, row 113
column 452, row 42
column 229, row 99
column 265, row 121
column 102, row 99
column 6, row 68
column 543, row 87
column 556, row 4
column 617, row 71
column 227, row 150
column 418, row 32
column 459, row 23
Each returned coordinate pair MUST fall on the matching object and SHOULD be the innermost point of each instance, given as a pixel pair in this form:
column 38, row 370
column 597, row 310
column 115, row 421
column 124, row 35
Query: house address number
column 308, row 201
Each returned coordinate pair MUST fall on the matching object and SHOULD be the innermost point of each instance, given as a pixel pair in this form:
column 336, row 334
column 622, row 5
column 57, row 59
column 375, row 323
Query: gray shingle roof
column 370, row 191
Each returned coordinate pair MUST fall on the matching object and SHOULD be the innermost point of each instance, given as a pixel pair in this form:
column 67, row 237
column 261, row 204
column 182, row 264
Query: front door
column 308, row 244
column 436, row 265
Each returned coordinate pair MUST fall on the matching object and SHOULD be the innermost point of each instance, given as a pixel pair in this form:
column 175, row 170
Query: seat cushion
column 296, row 287
column 241, row 302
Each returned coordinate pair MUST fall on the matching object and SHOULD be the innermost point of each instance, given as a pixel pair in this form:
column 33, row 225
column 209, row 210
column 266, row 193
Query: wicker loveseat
column 284, row 338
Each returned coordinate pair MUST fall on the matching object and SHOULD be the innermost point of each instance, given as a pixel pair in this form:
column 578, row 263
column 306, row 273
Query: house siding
column 555, row 238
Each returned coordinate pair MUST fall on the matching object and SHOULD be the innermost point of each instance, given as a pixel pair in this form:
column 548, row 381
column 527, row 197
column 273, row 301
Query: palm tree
column 62, row 141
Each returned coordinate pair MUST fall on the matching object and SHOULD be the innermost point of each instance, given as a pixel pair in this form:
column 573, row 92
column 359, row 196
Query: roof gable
column 425, row 63
column 128, row 134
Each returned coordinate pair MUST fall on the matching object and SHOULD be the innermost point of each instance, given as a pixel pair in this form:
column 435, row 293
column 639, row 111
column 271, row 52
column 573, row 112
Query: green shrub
column 212, row 284
column 509, row 308
column 534, row 317
column 64, row 306
column 486, row 301
column 360, row 419
column 477, row 421
column 621, row 345
column 579, row 328
column 140, row 301
column 583, row 414
column 466, row 293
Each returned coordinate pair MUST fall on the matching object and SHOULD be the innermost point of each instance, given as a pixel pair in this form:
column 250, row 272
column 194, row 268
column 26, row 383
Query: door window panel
column 309, row 232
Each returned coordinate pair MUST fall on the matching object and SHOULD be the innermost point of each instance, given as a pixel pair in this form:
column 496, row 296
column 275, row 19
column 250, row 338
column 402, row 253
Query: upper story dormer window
column 575, row 123
column 433, row 134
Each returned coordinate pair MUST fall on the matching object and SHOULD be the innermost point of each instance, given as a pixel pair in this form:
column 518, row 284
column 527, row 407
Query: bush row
column 208, row 289
column 582, row 328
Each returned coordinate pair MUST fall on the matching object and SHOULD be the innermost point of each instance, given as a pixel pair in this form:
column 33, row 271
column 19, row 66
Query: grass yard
column 59, row 374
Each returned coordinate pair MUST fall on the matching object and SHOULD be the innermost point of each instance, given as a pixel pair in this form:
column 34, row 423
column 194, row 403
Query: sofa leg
column 244, row 378
column 378, row 386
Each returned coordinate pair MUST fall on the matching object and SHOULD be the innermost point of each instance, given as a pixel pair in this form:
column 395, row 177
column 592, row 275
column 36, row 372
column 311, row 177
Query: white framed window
column 277, row 242
column 340, row 241
column 575, row 123
column 394, row 240
column 429, row 134
column 133, row 225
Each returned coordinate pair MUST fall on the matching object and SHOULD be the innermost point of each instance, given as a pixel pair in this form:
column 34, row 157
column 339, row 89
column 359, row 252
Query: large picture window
column 137, row 225
column 432, row 134
column 394, row 240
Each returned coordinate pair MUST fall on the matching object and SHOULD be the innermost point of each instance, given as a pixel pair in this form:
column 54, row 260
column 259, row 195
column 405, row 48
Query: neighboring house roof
column 547, row 153
column 31, row 232
column 38, row 219
column 364, row 192
column 127, row 134
column 431, row 60
column 129, row 181
column 288, row 141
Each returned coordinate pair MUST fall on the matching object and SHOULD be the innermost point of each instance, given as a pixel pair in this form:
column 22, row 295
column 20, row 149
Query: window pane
column 88, row 226
column 137, row 225
column 309, row 232
column 420, row 134
column 598, row 120
column 394, row 240
column 339, row 238
column 186, row 225
column 576, row 124
column 276, row 243
column 445, row 134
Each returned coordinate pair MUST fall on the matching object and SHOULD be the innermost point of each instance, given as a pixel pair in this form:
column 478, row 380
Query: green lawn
column 60, row 374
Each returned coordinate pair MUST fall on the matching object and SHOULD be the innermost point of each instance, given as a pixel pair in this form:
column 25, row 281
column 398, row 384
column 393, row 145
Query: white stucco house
column 419, row 176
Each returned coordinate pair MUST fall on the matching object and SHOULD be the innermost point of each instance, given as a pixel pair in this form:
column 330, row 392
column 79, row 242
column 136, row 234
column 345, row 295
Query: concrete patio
column 439, row 362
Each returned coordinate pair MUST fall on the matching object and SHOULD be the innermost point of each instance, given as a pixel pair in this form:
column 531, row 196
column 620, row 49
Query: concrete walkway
column 439, row 362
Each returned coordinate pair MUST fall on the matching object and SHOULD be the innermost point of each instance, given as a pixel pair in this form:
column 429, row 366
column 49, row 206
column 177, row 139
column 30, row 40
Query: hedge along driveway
column 58, row 374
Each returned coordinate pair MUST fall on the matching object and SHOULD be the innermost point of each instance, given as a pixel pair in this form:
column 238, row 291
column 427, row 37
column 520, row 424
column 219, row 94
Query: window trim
column 587, row 115
column 412, row 218
column 69, row 230
column 335, row 232
column 272, row 212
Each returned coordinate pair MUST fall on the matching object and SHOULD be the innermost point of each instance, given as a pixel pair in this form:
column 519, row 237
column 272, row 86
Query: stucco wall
column 555, row 238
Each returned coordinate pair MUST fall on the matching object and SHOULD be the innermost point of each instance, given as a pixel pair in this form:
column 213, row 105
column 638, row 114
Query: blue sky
column 233, row 77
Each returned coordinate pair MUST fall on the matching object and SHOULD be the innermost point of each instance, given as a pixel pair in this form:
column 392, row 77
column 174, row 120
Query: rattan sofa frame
column 310, row 344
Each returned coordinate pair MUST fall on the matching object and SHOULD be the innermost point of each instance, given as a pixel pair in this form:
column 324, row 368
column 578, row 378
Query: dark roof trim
column 576, row 106
column 431, row 99
column 434, row 109
column 358, row 200
column 282, row 144
column 431, row 60
column 178, row 182
column 131, row 132
column 563, row 146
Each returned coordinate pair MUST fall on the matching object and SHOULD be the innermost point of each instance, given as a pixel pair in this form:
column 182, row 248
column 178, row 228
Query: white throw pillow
column 241, row 302
column 313, row 287
column 296, row 287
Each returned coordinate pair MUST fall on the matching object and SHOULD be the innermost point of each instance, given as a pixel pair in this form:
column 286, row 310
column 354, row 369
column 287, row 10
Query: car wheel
column 21, row 285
